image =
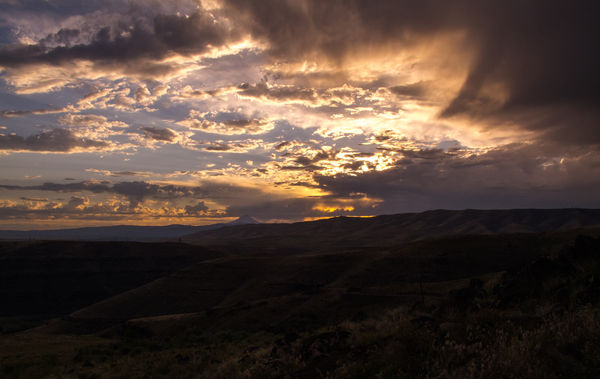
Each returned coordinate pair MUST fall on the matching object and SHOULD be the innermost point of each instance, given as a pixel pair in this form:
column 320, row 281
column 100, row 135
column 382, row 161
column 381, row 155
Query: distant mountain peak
column 243, row 220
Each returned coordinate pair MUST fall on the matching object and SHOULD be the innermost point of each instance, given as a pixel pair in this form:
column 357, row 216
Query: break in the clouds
column 291, row 110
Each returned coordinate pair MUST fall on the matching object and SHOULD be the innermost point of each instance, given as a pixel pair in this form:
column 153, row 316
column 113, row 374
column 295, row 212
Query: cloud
column 300, row 161
column 122, row 39
column 7, row 113
column 166, row 135
column 136, row 192
column 56, row 141
column 199, row 209
column 33, row 199
column 94, row 126
column 530, row 62
column 151, row 137
column 91, row 186
column 511, row 176
column 537, row 74
column 309, row 97
column 117, row 174
column 179, row 34
column 90, row 121
column 289, row 94
column 238, row 147
column 82, row 208
column 226, row 123
column 188, row 92
column 298, row 209
column 413, row 90
column 415, row 103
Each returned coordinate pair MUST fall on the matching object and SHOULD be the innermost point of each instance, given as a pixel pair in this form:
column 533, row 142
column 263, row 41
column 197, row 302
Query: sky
column 155, row 112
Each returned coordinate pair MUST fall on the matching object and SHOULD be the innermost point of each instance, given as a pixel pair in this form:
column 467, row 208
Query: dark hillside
column 512, row 305
column 336, row 298
column 395, row 229
column 225, row 292
column 43, row 279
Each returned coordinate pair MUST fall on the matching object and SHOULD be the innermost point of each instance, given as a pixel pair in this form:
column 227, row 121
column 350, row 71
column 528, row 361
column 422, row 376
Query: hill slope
column 394, row 229
column 254, row 290
column 118, row 232
column 41, row 279
column 334, row 298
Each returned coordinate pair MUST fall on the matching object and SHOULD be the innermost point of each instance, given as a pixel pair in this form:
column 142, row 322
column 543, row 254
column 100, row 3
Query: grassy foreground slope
column 41, row 280
column 514, row 298
column 518, row 305
column 340, row 282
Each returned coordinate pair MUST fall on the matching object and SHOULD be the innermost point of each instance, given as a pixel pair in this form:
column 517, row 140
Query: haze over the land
column 198, row 112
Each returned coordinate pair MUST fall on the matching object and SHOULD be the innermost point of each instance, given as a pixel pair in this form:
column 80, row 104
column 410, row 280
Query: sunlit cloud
column 205, row 110
column 229, row 123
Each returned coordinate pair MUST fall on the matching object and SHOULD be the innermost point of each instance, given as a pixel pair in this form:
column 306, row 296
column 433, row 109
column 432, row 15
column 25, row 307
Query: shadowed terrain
column 39, row 280
column 444, row 293
column 119, row 232
column 394, row 229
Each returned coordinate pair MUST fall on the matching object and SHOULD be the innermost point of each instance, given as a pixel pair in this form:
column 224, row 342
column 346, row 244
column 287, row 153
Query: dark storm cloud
column 545, row 59
column 64, row 37
column 507, row 177
column 542, row 53
column 56, row 140
column 124, row 44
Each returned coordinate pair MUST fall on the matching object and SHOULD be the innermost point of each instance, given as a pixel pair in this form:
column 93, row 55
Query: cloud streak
column 54, row 141
column 169, row 34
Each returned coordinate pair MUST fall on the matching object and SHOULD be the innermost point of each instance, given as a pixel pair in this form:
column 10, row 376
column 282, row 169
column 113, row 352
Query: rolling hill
column 395, row 229
column 501, row 291
column 118, row 232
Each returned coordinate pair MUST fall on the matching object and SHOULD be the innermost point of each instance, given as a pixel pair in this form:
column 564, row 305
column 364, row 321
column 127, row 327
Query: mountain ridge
column 138, row 233
column 404, row 227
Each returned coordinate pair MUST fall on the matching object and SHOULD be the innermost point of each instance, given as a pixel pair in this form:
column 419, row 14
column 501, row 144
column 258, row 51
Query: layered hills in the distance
column 119, row 232
column 399, row 228
column 344, row 231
